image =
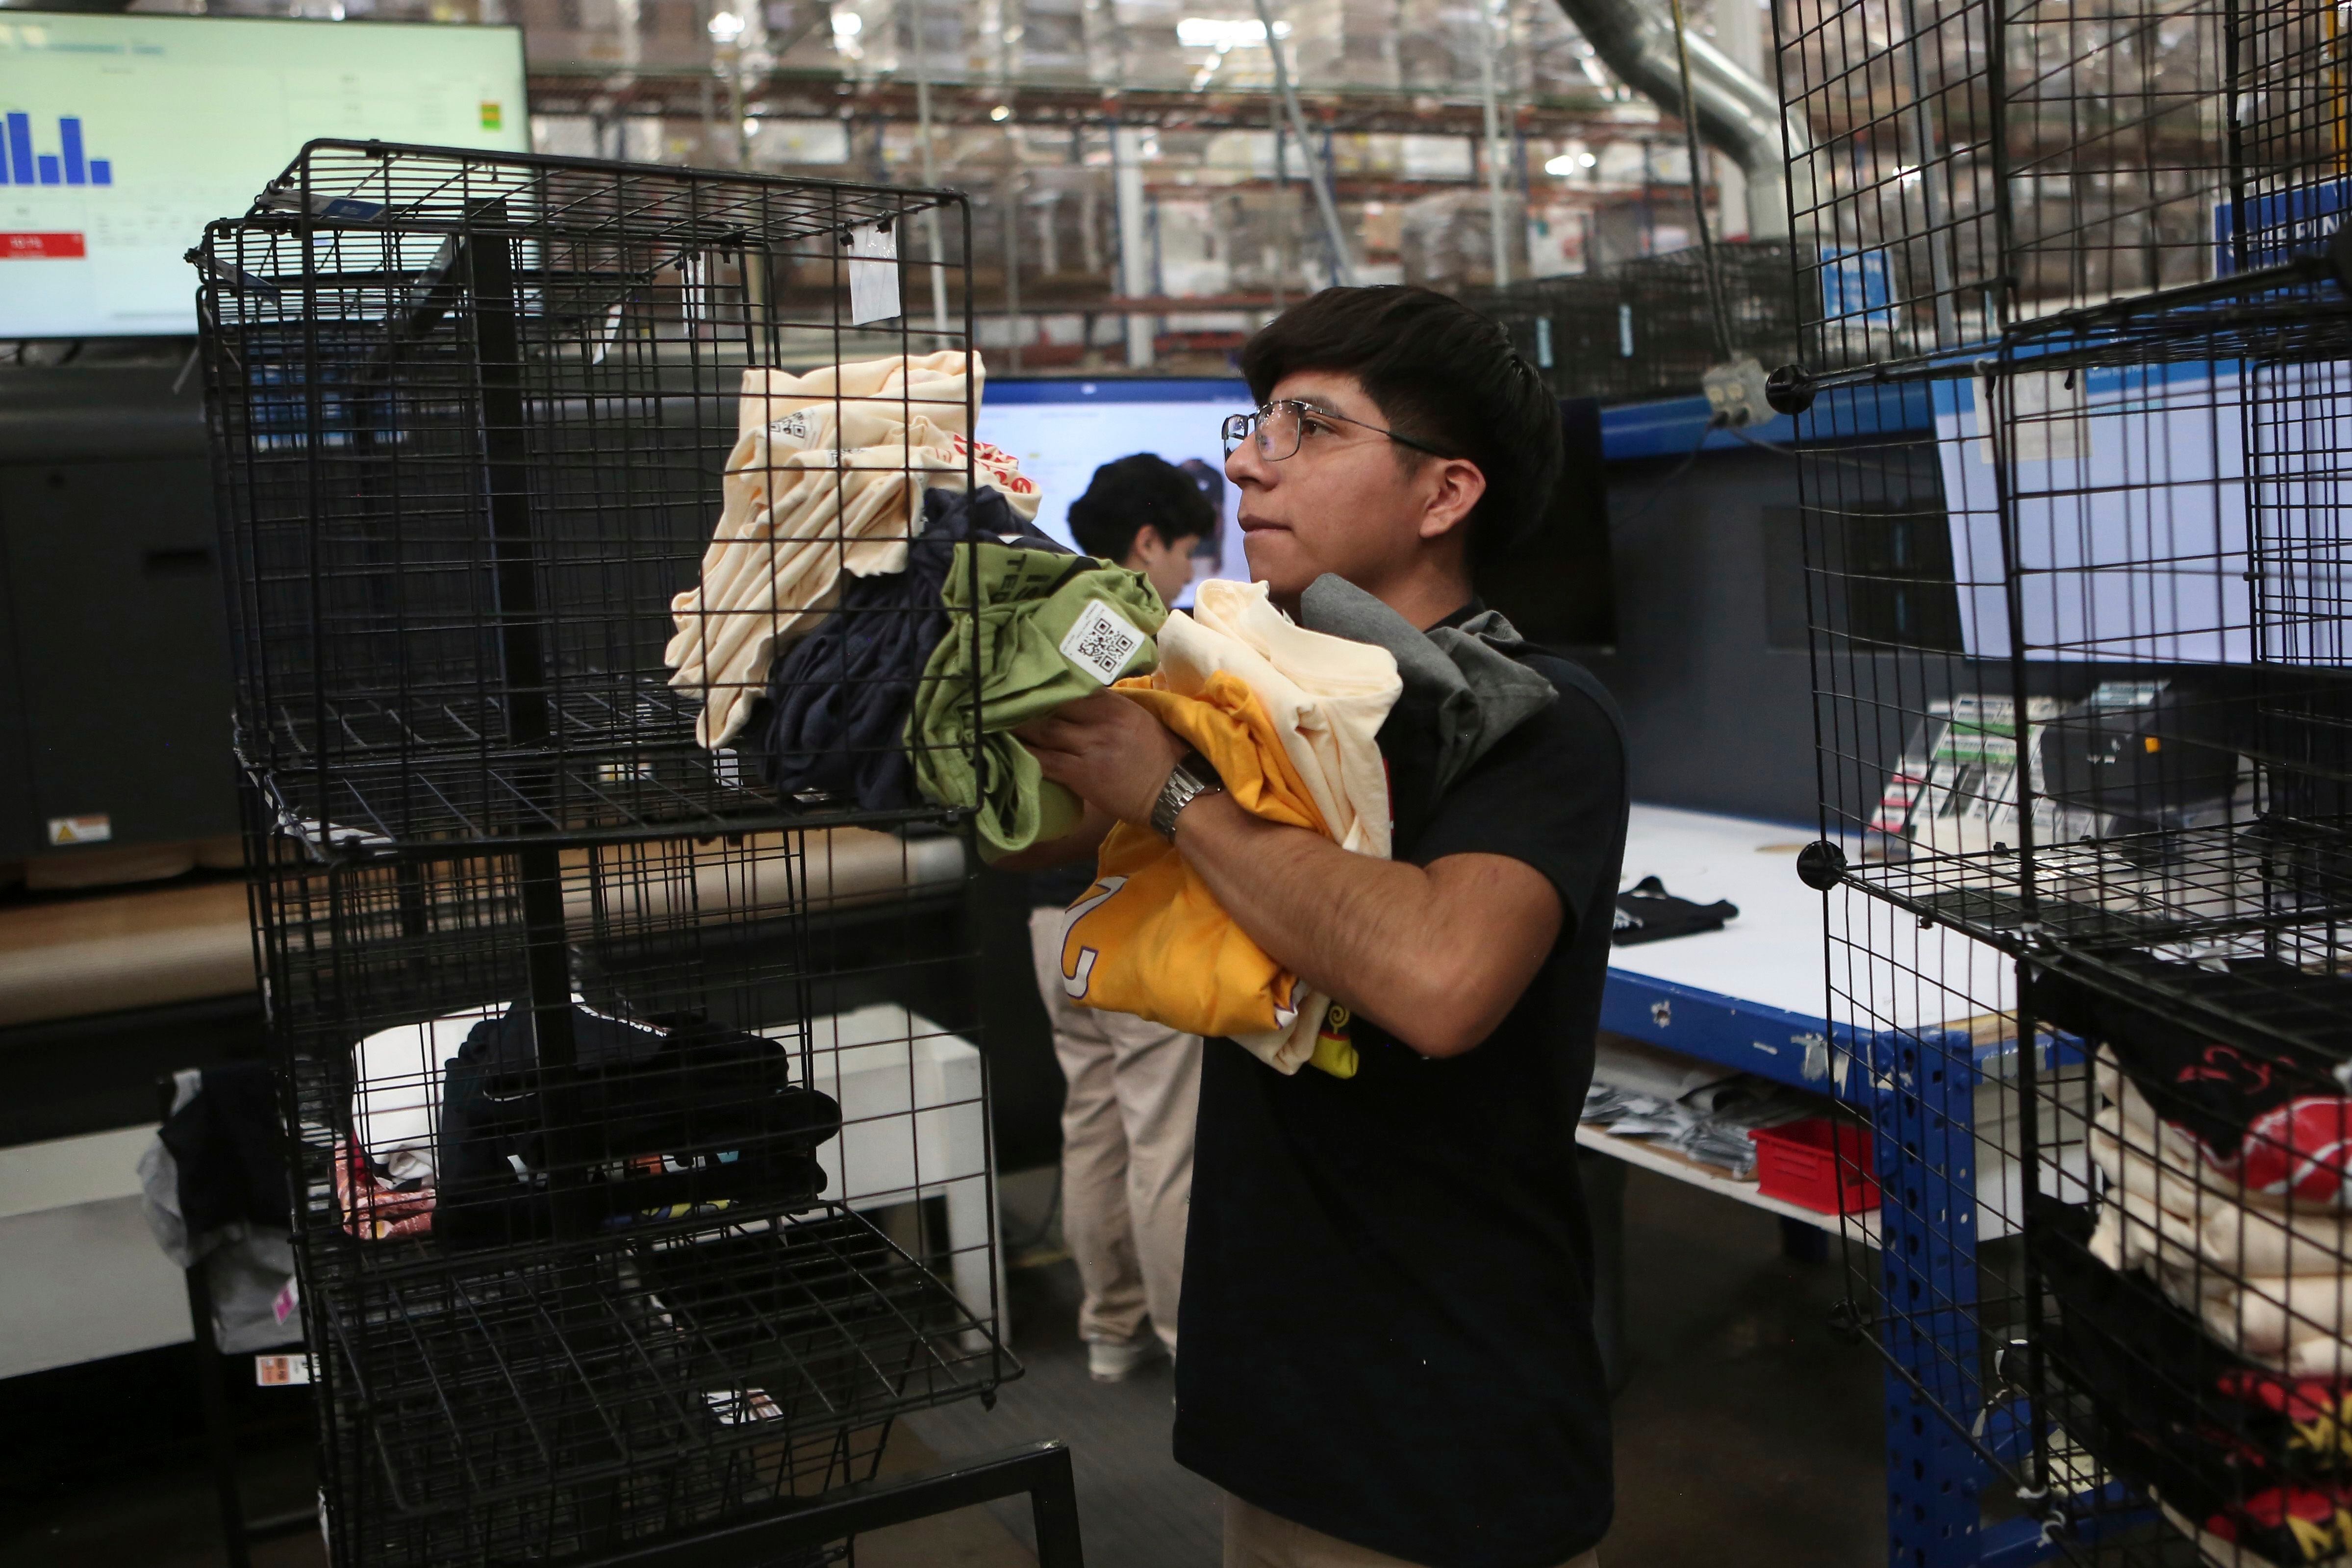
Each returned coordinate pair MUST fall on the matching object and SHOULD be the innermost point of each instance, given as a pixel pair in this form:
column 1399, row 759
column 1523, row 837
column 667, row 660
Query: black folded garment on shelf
column 2239, row 1450
column 663, row 1116
column 228, row 1141
column 835, row 718
column 1649, row 913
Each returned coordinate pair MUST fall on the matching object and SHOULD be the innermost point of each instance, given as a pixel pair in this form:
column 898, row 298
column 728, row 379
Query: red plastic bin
column 1816, row 1164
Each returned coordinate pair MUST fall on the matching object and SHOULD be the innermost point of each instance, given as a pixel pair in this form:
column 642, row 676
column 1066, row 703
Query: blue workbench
column 1754, row 996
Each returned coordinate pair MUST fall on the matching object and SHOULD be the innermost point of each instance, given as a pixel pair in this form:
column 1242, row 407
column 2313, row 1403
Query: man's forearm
column 1436, row 955
column 1390, row 940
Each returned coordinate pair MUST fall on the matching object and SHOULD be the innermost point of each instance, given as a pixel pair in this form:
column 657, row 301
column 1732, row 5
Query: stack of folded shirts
column 1290, row 719
column 669, row 1117
column 2205, row 1301
column 2250, row 1464
column 2252, row 1237
column 826, row 479
column 2225, row 1164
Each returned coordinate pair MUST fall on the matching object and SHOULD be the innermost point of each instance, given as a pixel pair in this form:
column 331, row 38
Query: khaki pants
column 1126, row 1151
column 1256, row 1539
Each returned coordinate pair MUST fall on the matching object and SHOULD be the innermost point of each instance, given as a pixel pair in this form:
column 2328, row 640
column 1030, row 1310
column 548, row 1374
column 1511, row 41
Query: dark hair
column 1442, row 374
column 1126, row 494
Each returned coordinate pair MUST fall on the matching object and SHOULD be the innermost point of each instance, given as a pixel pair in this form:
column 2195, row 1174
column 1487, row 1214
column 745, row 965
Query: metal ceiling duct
column 1739, row 114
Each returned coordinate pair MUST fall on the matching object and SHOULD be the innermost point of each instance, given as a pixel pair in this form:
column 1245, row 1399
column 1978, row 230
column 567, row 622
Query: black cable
column 1714, row 423
column 1698, row 188
column 1758, row 442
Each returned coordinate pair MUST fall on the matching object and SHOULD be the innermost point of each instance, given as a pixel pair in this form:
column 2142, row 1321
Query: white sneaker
column 1107, row 1361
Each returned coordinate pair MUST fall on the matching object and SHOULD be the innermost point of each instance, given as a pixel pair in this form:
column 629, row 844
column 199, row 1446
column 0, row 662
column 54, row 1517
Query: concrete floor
column 1747, row 1433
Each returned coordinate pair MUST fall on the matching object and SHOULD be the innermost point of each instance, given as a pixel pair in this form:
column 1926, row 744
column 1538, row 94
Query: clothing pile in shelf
column 831, row 635
column 2249, row 1463
column 2217, row 1271
column 1698, row 1110
column 1308, row 723
column 826, row 477
column 452, row 1124
column 212, row 1188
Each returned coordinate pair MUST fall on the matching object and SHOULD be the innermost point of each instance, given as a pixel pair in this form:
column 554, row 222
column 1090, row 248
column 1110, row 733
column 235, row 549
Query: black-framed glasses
column 1279, row 426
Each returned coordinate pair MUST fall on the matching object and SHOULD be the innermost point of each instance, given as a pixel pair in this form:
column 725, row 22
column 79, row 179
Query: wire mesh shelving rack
column 639, row 1135
column 2078, row 328
column 1646, row 327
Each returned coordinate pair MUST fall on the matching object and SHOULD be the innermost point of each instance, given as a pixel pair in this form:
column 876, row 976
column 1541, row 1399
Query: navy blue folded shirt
column 835, row 717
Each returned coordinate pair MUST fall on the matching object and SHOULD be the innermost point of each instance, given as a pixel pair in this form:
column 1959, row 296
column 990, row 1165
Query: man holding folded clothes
column 1388, row 1353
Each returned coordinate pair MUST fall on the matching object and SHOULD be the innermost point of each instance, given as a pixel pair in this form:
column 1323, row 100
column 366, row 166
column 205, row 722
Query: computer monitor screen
column 125, row 134
column 1063, row 430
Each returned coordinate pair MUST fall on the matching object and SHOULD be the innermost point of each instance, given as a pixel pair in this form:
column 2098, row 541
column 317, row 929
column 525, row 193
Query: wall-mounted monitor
column 1063, row 430
column 125, row 134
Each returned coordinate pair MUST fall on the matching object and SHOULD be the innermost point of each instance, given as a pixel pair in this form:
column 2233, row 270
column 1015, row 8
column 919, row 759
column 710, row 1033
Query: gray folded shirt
column 1464, row 691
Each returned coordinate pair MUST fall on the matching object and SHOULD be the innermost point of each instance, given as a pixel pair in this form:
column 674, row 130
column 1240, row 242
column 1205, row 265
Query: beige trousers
column 1256, row 1539
column 1126, row 1151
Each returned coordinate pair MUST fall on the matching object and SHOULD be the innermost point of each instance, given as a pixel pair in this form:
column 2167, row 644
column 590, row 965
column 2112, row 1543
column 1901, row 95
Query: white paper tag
column 1100, row 641
column 288, row 1297
column 95, row 827
column 281, row 1371
column 873, row 272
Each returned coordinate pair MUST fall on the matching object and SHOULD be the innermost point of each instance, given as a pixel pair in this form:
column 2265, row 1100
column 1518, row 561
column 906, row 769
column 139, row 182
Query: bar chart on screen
column 71, row 164
column 121, row 135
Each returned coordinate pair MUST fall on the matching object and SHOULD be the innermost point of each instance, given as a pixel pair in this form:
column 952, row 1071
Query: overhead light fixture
column 1000, row 113
column 1223, row 33
column 847, row 23
column 726, row 27
column 751, row 128
column 1561, row 167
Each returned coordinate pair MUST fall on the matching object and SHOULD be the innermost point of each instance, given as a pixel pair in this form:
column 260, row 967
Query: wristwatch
column 1188, row 781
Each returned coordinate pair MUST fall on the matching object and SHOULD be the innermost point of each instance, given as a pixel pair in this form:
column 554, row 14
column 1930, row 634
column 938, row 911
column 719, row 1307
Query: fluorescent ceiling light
column 1221, row 33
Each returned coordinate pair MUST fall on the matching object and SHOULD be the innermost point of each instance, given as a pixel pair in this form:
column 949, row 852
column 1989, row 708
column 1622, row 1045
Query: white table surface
column 1888, row 972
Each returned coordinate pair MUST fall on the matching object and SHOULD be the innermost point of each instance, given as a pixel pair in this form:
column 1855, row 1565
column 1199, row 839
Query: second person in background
column 1134, row 1086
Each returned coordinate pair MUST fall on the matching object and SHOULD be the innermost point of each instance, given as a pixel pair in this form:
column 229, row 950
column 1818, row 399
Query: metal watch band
column 1188, row 781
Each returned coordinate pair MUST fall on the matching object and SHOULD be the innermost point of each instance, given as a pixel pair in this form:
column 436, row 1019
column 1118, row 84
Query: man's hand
column 1108, row 751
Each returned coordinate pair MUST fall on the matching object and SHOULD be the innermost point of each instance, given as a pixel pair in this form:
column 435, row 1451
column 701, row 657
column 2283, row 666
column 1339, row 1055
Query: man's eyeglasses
column 1279, row 427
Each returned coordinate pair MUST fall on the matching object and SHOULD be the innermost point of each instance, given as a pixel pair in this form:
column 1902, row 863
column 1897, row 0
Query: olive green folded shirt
column 1052, row 628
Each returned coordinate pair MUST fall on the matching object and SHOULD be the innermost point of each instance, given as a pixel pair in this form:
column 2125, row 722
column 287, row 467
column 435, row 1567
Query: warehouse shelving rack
column 2080, row 711
column 1647, row 328
column 470, row 413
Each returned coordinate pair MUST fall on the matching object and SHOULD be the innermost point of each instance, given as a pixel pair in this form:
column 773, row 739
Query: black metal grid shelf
column 533, row 1408
column 2134, row 889
column 472, row 415
column 474, row 1381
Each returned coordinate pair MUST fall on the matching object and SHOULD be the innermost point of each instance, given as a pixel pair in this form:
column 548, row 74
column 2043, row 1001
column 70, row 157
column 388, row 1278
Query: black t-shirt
column 1387, row 1324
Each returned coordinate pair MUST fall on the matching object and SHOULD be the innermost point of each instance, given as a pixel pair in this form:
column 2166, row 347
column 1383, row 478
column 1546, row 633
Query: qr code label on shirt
column 1101, row 641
